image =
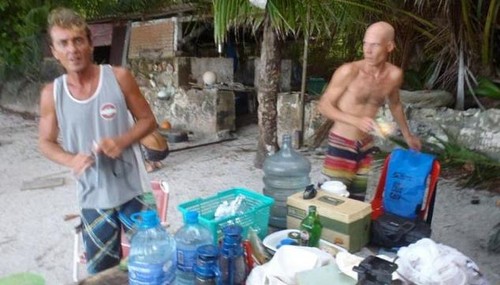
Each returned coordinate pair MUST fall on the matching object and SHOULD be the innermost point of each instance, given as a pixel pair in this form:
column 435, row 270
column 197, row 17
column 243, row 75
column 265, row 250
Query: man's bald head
column 383, row 30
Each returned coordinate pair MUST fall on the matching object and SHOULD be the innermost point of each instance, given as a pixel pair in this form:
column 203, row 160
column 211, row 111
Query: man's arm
column 145, row 121
column 397, row 112
column 328, row 103
column 48, row 132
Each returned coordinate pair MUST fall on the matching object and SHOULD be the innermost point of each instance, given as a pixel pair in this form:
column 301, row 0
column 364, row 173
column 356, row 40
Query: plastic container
column 285, row 173
column 152, row 252
column 206, row 269
column 316, row 86
column 188, row 238
column 256, row 214
column 335, row 187
column 232, row 261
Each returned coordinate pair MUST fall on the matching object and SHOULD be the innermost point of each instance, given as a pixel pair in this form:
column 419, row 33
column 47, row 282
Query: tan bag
column 155, row 141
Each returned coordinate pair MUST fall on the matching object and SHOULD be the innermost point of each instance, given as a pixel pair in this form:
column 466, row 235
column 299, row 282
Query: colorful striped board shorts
column 102, row 230
column 349, row 161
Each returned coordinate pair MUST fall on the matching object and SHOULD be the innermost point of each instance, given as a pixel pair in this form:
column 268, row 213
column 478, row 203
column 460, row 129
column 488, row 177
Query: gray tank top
column 109, row 182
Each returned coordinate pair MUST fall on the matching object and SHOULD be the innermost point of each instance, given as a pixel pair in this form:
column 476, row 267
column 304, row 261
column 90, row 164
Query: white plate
column 273, row 240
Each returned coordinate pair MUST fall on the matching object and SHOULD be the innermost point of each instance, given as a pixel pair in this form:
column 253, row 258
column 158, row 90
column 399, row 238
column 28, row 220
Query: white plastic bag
column 259, row 3
column 426, row 262
column 286, row 262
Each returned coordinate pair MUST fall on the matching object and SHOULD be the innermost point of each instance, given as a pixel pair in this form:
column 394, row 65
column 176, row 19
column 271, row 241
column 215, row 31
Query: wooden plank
column 42, row 183
column 112, row 276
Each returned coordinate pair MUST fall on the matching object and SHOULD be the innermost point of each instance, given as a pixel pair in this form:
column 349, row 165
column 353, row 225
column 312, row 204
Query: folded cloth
column 286, row 263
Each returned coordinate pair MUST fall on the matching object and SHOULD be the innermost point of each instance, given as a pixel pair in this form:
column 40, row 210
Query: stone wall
column 474, row 129
column 171, row 87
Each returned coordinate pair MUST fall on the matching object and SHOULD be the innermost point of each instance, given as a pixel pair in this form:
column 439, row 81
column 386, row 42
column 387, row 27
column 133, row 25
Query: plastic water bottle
column 285, row 173
column 152, row 252
column 188, row 238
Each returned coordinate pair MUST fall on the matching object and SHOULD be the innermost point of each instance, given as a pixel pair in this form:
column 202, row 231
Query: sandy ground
column 34, row 237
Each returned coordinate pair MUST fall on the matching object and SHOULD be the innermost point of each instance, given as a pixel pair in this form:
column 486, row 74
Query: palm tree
column 279, row 19
column 458, row 37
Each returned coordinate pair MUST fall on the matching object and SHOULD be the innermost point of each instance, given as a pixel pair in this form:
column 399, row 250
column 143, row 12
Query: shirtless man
column 352, row 99
column 90, row 109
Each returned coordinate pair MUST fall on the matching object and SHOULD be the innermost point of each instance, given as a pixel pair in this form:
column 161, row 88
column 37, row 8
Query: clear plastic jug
column 285, row 173
column 152, row 252
column 187, row 239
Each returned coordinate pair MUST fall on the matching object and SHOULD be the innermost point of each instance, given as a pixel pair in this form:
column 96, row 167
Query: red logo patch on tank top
column 108, row 111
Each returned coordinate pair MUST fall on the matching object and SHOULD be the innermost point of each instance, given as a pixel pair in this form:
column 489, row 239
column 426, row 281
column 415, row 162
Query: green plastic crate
column 316, row 86
column 256, row 213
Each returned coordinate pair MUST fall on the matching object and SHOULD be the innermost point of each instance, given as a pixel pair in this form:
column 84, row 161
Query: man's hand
column 413, row 142
column 366, row 124
column 110, row 147
column 80, row 162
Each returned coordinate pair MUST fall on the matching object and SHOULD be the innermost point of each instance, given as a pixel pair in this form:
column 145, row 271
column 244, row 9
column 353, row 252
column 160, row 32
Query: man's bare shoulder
column 348, row 69
column 47, row 101
column 120, row 72
column 394, row 71
column 47, row 89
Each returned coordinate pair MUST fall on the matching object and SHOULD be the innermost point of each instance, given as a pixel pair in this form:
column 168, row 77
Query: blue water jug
column 206, row 269
column 285, row 173
column 152, row 252
column 188, row 238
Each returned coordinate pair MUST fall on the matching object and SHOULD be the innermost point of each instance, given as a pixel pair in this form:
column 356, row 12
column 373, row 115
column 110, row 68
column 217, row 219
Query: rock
column 427, row 98
column 494, row 240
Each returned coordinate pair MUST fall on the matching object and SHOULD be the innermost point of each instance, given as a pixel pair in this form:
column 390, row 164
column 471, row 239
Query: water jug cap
column 191, row 217
column 208, row 251
column 232, row 231
column 145, row 219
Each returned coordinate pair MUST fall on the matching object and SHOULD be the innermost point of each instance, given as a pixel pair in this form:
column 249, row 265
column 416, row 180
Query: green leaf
column 487, row 88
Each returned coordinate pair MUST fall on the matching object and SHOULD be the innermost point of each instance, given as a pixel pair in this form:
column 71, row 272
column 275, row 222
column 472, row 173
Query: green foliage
column 24, row 22
column 482, row 168
column 459, row 40
column 421, row 78
column 487, row 88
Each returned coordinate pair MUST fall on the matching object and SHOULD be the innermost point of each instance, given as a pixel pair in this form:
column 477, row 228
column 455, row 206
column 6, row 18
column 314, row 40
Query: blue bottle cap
column 191, row 217
column 208, row 251
column 232, row 231
column 145, row 219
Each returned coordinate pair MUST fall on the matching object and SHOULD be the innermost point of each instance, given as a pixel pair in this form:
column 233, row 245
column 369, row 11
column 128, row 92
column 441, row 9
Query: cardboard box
column 346, row 222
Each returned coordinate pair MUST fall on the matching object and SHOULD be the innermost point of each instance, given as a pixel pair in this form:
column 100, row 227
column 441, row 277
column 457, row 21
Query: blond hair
column 67, row 19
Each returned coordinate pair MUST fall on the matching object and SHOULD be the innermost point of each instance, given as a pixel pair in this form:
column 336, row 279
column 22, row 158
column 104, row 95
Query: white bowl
column 335, row 187
column 272, row 241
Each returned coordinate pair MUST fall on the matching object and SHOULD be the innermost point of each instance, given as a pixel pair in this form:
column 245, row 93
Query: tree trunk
column 268, row 84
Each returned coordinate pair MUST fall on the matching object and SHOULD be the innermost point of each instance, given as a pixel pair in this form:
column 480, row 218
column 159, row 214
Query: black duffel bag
column 390, row 230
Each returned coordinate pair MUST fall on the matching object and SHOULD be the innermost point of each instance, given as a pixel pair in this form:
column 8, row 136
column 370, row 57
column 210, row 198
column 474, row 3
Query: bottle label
column 304, row 238
column 140, row 273
column 186, row 259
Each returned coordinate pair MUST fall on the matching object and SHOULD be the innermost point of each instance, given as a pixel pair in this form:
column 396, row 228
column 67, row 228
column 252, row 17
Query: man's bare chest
column 366, row 90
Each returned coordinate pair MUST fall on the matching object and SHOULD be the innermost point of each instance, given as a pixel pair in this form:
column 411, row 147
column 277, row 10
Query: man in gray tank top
column 92, row 108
